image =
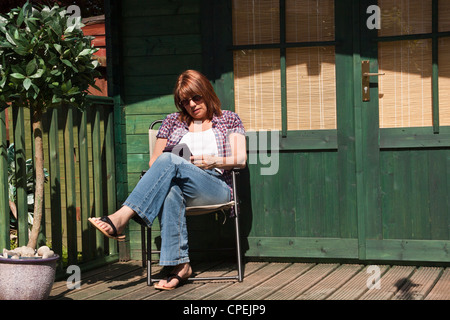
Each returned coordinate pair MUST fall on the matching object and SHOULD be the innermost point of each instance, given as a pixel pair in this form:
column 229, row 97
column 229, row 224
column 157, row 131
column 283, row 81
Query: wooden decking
column 266, row 281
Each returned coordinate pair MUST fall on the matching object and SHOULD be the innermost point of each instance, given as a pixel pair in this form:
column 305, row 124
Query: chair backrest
column 152, row 136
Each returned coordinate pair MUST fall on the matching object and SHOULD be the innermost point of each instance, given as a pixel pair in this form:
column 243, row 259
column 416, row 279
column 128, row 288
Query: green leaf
column 55, row 72
column 67, row 62
column 30, row 24
column 17, row 76
column 31, row 67
column 66, row 86
column 2, row 27
column 5, row 44
column 57, row 47
column 85, row 52
column 70, row 29
column 27, row 83
column 2, row 83
column 56, row 27
column 38, row 74
column 10, row 39
column 20, row 51
column 20, row 17
column 73, row 91
column 36, row 89
column 67, row 54
column 55, row 99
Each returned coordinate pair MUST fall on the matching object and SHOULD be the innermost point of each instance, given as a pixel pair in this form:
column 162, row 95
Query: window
column 413, row 53
column 284, row 64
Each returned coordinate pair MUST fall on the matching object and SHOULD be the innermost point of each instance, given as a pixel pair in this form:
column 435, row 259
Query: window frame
column 434, row 136
column 435, row 35
column 283, row 46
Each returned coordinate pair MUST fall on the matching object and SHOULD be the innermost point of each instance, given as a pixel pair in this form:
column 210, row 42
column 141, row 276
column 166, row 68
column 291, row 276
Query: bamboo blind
column 444, row 64
column 443, row 16
column 256, row 22
column 308, row 20
column 444, row 81
column 405, row 90
column 257, row 87
column 310, row 72
column 311, row 88
column 401, row 17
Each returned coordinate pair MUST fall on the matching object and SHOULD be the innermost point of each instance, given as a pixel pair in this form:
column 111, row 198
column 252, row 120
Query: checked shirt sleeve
column 237, row 126
column 166, row 126
column 232, row 123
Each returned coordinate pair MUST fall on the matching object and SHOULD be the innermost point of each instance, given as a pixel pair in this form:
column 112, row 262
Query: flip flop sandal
column 114, row 235
column 169, row 278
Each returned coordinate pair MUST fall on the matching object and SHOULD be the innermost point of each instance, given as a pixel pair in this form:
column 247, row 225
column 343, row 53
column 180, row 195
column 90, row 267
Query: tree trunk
column 39, row 170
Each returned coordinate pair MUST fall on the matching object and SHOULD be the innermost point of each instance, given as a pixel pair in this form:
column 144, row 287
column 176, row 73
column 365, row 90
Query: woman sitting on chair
column 216, row 140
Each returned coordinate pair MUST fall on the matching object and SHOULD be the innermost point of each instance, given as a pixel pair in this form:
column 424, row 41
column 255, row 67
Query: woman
column 216, row 140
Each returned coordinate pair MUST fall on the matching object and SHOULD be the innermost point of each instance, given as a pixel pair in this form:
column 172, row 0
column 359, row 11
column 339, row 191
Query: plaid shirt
column 173, row 130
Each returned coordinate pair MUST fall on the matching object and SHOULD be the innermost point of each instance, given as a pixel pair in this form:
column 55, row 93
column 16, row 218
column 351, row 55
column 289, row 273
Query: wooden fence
column 79, row 159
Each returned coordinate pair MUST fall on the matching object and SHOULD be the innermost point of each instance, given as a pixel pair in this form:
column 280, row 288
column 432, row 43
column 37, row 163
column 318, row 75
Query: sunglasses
column 185, row 103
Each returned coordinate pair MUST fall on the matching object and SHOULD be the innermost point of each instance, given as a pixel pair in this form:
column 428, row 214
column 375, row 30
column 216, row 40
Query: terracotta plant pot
column 27, row 278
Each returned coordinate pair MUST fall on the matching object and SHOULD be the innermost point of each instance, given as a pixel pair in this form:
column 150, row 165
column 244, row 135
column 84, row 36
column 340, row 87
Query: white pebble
column 48, row 254
column 43, row 250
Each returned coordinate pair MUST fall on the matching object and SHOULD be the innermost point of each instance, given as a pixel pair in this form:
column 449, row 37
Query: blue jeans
column 171, row 184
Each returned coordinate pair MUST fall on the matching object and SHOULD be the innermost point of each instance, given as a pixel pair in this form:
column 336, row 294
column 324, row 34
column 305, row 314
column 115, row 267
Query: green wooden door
column 292, row 76
column 403, row 146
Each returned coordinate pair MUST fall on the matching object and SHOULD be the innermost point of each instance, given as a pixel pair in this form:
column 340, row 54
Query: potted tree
column 45, row 62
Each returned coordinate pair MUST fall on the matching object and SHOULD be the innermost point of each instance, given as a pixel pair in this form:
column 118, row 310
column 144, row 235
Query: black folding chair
column 193, row 211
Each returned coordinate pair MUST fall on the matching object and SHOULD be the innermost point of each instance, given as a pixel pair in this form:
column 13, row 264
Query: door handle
column 368, row 74
column 365, row 79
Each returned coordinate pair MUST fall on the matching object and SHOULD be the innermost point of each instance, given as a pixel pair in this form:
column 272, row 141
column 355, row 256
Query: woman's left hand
column 204, row 161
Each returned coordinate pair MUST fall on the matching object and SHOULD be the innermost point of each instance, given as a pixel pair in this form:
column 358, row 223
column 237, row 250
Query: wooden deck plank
column 233, row 291
column 93, row 277
column 143, row 292
column 355, row 287
column 106, row 289
column 303, row 282
column 441, row 290
column 207, row 289
column 120, row 286
column 331, row 283
column 277, row 281
column 390, row 283
column 140, row 292
column 419, row 285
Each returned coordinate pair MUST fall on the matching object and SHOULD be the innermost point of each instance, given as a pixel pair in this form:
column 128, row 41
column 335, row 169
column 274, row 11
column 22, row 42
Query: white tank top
column 201, row 142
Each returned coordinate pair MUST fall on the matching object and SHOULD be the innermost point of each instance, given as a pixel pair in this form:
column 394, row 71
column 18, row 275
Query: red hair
column 191, row 83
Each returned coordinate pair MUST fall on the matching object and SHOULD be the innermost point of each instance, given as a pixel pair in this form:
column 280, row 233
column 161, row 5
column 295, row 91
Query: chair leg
column 238, row 249
column 149, row 256
column 238, row 235
column 143, row 247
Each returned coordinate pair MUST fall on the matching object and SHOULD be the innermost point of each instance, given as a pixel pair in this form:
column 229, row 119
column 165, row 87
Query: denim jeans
column 171, row 184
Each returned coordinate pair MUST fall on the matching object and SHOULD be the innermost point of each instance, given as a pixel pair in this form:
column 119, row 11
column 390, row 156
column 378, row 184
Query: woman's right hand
column 205, row 162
